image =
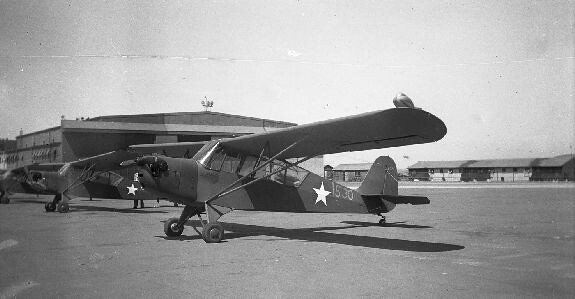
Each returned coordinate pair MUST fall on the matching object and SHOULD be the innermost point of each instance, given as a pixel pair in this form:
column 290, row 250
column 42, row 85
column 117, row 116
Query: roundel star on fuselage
column 132, row 189
column 321, row 194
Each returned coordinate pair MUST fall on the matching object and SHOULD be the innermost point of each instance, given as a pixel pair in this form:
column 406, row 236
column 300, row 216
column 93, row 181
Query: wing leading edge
column 372, row 130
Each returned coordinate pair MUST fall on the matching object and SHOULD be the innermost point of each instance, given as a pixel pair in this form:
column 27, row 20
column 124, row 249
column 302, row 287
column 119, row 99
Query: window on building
column 503, row 169
column 440, row 170
column 514, row 169
column 358, row 174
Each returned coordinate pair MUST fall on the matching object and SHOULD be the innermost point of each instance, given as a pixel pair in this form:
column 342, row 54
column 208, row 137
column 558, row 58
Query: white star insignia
column 132, row 190
column 321, row 194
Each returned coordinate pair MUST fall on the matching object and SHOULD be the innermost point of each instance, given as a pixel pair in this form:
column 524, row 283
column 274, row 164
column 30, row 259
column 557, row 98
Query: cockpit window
column 214, row 157
column 248, row 165
column 217, row 160
column 204, row 154
column 231, row 163
column 290, row 176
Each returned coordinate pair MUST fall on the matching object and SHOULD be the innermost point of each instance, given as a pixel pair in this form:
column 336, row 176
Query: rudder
column 381, row 178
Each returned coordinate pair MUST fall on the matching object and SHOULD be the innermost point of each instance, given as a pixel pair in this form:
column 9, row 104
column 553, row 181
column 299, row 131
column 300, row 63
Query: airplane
column 93, row 177
column 25, row 179
column 260, row 172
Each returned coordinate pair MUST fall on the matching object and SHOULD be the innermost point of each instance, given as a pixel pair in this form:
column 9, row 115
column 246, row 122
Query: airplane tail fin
column 379, row 189
column 381, row 178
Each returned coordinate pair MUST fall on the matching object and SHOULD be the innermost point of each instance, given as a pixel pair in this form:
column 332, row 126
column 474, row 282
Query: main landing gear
column 212, row 232
column 59, row 203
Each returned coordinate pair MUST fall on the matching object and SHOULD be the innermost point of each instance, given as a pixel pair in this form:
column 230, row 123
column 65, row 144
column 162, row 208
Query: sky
column 500, row 74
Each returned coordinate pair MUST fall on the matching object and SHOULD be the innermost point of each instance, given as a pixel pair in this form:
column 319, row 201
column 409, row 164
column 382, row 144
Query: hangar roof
column 193, row 118
column 558, row 161
column 71, row 125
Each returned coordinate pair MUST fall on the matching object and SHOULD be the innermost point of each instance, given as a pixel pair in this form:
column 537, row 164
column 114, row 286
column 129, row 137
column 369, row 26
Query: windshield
column 204, row 154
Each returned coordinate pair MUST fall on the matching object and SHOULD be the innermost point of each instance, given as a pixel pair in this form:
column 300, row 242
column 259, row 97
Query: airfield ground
column 472, row 241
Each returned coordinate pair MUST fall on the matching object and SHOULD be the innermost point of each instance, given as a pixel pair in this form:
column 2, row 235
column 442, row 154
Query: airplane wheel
column 63, row 207
column 213, row 233
column 171, row 228
column 4, row 200
column 382, row 221
column 50, row 207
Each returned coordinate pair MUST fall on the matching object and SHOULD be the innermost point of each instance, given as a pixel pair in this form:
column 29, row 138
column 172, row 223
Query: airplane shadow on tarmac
column 21, row 200
column 389, row 224
column 76, row 208
column 317, row 234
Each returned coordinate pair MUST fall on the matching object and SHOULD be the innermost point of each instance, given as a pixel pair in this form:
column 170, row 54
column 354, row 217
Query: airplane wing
column 104, row 162
column 174, row 150
column 45, row 166
column 372, row 130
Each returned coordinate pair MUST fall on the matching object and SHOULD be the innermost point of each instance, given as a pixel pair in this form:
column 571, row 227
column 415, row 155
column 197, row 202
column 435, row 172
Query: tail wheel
column 213, row 233
column 171, row 228
column 63, row 207
column 382, row 221
column 50, row 207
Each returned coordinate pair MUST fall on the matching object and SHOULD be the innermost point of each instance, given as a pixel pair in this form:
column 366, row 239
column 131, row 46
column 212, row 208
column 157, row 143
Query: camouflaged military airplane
column 93, row 177
column 260, row 172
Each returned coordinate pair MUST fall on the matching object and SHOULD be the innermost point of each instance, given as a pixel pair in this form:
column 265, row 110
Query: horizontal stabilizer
column 414, row 200
column 379, row 203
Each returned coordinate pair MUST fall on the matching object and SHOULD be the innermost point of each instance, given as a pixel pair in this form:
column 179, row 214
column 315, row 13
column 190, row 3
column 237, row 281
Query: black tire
column 50, row 207
column 382, row 221
column 213, row 233
column 63, row 207
column 171, row 228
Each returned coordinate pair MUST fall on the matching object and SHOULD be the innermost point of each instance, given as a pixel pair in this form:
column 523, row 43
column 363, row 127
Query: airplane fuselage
column 195, row 181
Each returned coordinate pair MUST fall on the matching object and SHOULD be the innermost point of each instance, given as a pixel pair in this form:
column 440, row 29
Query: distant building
column 328, row 172
column 558, row 168
column 347, row 172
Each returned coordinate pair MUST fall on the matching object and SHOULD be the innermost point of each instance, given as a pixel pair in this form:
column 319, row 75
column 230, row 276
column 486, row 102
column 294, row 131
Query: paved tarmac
column 470, row 242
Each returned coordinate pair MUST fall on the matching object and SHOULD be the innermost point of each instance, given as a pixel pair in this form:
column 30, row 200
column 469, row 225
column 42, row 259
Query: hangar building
column 81, row 138
column 558, row 168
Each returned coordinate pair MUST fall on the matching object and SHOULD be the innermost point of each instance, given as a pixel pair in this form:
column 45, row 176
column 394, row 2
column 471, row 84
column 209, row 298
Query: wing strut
column 288, row 165
column 226, row 190
column 84, row 176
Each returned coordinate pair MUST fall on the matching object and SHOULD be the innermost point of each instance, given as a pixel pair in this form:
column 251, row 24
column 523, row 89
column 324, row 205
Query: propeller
column 154, row 164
